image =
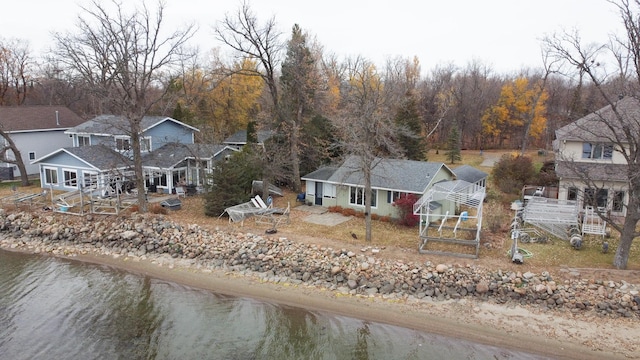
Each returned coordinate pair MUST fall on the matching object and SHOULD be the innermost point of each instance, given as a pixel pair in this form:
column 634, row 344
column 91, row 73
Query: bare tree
column 244, row 34
column 15, row 63
column 123, row 57
column 619, row 123
column 365, row 125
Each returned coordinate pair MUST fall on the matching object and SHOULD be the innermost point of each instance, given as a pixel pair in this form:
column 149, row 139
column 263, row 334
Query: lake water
column 53, row 308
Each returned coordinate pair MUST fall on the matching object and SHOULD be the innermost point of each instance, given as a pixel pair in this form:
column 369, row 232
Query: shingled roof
column 603, row 124
column 240, row 137
column 119, row 125
column 469, row 174
column 171, row 154
column 37, row 118
column 388, row 174
column 99, row 157
column 592, row 171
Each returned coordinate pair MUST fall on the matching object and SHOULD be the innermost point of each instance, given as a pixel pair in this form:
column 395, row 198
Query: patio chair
column 180, row 191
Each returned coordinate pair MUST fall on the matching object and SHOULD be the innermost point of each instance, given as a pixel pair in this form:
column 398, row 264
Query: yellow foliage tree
column 220, row 101
column 519, row 113
column 235, row 98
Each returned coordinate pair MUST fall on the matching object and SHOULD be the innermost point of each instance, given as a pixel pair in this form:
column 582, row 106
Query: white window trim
column 328, row 191
column 122, row 137
column 31, row 158
column 64, row 180
column 44, row 169
column 363, row 205
column 87, row 174
column 84, row 137
column 142, row 138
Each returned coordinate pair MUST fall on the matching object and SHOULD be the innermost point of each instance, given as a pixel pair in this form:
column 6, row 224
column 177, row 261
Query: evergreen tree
column 408, row 120
column 231, row 182
column 453, row 145
column 299, row 82
column 252, row 133
column 319, row 137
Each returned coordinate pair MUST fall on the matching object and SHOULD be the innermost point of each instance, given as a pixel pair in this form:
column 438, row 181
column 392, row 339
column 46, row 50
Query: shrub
column 511, row 173
column 158, row 209
column 335, row 209
column 375, row 217
column 348, row 212
column 385, row 219
column 405, row 210
column 496, row 217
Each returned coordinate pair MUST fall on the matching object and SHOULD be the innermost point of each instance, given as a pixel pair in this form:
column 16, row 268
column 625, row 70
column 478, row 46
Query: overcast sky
column 505, row 34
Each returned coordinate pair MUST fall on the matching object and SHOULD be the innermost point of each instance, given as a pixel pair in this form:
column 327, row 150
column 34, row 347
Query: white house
column 590, row 164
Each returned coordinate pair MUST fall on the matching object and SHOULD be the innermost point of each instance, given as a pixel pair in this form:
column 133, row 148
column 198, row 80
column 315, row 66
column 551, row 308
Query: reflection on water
column 58, row 309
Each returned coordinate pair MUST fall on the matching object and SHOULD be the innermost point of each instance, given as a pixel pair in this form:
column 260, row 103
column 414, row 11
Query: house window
column 572, row 193
column 32, row 155
column 145, row 144
column 160, row 180
column 357, row 196
column 596, row 198
column 618, row 201
column 84, row 141
column 123, row 144
column 328, row 190
column 50, row 176
column 597, row 151
column 89, row 178
column 70, row 178
column 392, row 196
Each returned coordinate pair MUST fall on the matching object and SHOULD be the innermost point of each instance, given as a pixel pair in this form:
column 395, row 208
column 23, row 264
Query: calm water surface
column 59, row 309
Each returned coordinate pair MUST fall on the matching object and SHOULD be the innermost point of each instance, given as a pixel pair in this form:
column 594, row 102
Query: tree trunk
column 24, row 178
column 621, row 257
column 367, row 202
column 295, row 151
column 137, row 164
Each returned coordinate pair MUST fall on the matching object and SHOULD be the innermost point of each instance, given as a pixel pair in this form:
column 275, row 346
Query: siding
column 42, row 143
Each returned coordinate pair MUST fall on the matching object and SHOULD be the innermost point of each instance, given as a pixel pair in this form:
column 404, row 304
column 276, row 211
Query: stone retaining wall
column 282, row 260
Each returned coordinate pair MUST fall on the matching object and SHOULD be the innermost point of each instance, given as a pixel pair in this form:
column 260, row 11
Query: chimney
column 57, row 119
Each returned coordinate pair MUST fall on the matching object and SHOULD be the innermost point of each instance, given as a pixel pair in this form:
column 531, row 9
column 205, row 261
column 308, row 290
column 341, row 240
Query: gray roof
column 97, row 156
column 240, row 137
column 119, row 125
column 171, row 154
column 592, row 171
column 593, row 127
column 37, row 118
column 469, row 174
column 322, row 174
column 389, row 174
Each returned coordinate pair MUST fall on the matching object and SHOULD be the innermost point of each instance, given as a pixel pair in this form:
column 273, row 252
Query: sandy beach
column 550, row 334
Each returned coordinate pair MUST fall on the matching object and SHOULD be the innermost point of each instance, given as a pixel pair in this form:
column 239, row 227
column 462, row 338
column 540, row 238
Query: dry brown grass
column 403, row 242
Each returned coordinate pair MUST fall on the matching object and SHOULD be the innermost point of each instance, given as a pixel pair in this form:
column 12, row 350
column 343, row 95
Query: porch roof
column 171, row 154
column 592, row 171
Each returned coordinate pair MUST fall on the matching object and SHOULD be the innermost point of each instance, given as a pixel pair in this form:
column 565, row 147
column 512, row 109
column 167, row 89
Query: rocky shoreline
column 280, row 260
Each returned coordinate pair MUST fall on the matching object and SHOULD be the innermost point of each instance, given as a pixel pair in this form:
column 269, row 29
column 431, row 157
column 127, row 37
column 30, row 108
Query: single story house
column 72, row 168
column 36, row 131
column 391, row 178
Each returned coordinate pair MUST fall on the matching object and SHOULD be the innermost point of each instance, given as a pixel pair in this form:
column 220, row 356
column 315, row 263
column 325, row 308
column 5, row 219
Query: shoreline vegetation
column 530, row 312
